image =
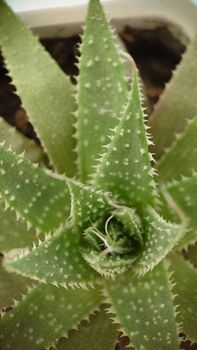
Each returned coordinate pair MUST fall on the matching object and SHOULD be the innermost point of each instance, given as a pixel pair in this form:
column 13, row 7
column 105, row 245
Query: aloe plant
column 100, row 237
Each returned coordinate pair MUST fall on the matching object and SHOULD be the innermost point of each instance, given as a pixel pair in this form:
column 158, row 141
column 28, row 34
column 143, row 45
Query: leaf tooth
column 169, row 271
column 111, row 119
column 110, row 310
column 19, row 217
column 2, row 143
column 44, row 61
column 29, row 225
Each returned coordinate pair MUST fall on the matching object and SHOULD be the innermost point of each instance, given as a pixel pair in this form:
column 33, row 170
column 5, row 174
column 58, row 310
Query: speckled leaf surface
column 11, row 287
column 185, row 288
column 161, row 237
column 145, row 310
column 107, row 265
column 50, row 312
column 102, row 89
column 46, row 93
column 125, row 168
column 184, row 193
column 177, row 103
column 181, row 158
column 19, row 143
column 99, row 333
column 43, row 200
column 87, row 205
column 13, row 233
column 106, row 231
column 57, row 260
column 131, row 222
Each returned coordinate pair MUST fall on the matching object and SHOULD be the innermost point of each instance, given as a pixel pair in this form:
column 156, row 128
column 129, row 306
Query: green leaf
column 185, row 278
column 19, row 143
column 184, row 194
column 11, row 287
column 125, row 169
column 144, row 308
column 107, row 265
column 87, row 205
column 191, row 254
column 50, row 312
column 102, row 89
column 13, row 233
column 43, row 200
column 46, row 93
column 97, row 334
column 114, row 243
column 161, row 237
column 177, row 103
column 131, row 222
column 181, row 158
column 189, row 238
column 57, row 260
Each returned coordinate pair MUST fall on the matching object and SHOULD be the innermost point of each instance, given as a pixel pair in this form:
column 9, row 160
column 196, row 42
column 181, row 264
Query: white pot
column 50, row 18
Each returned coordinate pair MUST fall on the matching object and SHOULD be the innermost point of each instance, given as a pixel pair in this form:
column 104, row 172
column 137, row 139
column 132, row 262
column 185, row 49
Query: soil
column 156, row 53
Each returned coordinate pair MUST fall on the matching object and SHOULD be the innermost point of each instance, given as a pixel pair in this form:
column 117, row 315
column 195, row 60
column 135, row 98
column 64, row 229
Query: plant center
column 118, row 233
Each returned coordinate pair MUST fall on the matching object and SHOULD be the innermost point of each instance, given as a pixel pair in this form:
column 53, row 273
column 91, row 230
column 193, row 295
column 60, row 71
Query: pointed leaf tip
column 161, row 236
column 46, row 93
column 57, row 260
column 87, row 205
column 102, row 89
column 125, row 168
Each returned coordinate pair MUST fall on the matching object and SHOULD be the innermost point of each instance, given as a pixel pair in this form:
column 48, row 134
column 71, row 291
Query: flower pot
column 64, row 17
column 135, row 20
column 145, row 22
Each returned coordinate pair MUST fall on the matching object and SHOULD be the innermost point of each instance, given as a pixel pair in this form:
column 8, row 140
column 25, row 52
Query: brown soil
column 156, row 53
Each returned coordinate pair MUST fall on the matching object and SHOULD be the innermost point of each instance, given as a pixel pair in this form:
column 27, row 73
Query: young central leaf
column 114, row 242
column 121, row 232
column 102, row 89
column 125, row 169
column 87, row 205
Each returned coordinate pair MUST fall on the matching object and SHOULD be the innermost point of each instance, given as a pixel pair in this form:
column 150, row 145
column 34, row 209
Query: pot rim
column 51, row 18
